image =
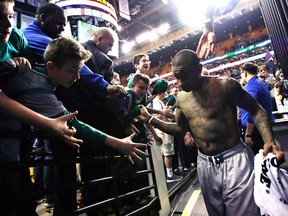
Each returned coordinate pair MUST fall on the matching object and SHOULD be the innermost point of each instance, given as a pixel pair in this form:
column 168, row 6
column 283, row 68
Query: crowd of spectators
column 222, row 48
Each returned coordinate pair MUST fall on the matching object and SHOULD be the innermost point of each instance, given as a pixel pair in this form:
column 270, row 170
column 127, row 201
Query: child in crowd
column 167, row 147
column 123, row 170
column 141, row 63
column 14, row 46
column 63, row 59
column 14, row 55
column 134, row 100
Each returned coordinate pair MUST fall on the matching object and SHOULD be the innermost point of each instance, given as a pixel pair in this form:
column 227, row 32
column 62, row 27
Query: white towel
column 270, row 186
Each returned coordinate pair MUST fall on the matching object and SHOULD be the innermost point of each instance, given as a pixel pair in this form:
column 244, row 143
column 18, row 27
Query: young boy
column 13, row 45
column 63, row 59
column 141, row 63
column 136, row 94
column 123, row 170
column 167, row 147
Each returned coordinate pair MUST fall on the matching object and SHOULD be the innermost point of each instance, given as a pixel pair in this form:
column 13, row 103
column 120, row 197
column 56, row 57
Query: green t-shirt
column 16, row 46
column 130, row 81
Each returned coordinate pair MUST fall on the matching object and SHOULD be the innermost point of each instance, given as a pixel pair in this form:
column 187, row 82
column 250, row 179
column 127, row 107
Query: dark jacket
column 99, row 62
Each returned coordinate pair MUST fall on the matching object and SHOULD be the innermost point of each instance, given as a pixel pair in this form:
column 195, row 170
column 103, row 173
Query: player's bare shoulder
column 181, row 96
column 229, row 85
column 182, row 99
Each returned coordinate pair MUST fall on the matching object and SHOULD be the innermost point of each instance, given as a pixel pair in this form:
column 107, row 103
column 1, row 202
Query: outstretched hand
column 132, row 129
column 144, row 114
column 275, row 150
column 206, row 44
column 168, row 113
column 60, row 128
column 131, row 148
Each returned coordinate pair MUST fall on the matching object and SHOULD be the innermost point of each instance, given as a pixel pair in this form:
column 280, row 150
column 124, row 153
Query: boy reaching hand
column 63, row 59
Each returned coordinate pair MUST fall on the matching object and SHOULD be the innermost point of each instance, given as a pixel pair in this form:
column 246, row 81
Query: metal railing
column 148, row 192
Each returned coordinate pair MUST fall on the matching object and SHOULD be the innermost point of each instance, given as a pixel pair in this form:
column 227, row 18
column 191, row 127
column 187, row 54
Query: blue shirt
column 259, row 92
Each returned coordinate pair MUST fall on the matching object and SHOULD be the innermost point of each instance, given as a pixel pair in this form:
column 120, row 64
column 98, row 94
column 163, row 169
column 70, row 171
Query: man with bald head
column 207, row 107
column 100, row 43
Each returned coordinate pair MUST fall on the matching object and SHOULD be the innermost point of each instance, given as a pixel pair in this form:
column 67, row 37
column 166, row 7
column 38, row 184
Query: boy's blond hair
column 62, row 49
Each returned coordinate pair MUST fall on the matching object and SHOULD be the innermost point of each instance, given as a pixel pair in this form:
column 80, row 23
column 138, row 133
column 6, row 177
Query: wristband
column 247, row 135
column 149, row 121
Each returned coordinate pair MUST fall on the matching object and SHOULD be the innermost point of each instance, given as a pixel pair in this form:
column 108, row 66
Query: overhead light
column 163, row 29
column 127, row 46
column 197, row 18
column 142, row 37
column 151, row 36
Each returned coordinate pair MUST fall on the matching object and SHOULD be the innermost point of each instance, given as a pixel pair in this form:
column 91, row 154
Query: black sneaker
column 186, row 169
column 174, row 178
column 177, row 171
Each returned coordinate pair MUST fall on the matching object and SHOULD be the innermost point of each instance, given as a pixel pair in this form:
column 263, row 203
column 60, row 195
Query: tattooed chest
column 205, row 104
column 204, row 112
